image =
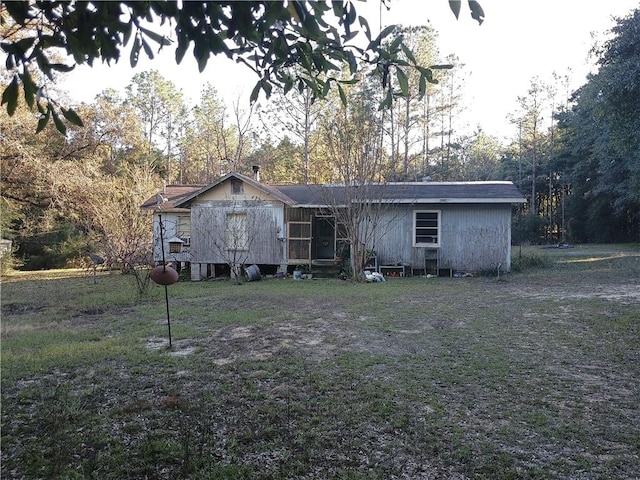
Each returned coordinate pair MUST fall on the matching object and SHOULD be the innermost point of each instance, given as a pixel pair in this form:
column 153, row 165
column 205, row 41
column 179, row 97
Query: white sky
column 519, row 39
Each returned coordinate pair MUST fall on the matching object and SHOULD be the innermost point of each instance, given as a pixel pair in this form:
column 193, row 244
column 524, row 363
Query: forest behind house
column 574, row 155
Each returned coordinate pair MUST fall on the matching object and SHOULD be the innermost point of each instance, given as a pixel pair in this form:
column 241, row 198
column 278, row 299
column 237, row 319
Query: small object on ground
column 253, row 273
column 373, row 276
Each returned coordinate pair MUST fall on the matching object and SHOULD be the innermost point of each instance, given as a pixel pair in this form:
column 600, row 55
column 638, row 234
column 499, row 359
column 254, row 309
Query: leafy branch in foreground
column 267, row 37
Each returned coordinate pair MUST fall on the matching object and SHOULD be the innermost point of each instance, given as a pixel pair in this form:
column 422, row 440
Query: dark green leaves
column 383, row 34
column 32, row 96
column 44, row 119
column 72, row 116
column 51, row 112
column 365, row 25
column 10, row 96
column 135, row 51
column 140, row 43
column 387, row 102
column 343, row 97
column 159, row 39
column 30, row 88
column 476, row 10
column 60, row 126
column 403, row 81
column 455, row 5
column 268, row 37
column 408, row 53
column 261, row 85
column 422, row 86
column 445, row 66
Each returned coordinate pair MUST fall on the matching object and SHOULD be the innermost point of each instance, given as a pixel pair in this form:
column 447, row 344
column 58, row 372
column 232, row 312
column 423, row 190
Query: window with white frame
column 426, row 228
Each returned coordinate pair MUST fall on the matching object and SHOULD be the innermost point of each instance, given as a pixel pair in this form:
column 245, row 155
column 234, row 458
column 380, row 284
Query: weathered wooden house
column 425, row 227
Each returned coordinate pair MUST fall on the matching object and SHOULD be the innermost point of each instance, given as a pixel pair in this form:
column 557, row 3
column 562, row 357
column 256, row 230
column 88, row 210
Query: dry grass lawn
column 532, row 375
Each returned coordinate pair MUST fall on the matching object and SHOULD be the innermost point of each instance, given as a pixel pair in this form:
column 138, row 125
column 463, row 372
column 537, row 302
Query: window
column 236, row 187
column 175, row 247
column 427, row 228
column 236, row 231
column 183, row 226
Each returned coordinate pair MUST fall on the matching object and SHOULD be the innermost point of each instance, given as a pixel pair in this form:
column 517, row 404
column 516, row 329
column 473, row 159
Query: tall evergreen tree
column 601, row 146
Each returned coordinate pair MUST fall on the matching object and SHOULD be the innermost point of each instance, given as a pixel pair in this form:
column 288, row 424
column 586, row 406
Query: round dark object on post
column 163, row 275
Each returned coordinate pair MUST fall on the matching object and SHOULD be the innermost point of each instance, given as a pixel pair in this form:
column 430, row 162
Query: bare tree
column 296, row 115
column 356, row 199
column 242, row 126
column 121, row 228
column 225, row 234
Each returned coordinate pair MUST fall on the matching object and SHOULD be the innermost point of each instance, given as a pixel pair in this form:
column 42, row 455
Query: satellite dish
column 160, row 200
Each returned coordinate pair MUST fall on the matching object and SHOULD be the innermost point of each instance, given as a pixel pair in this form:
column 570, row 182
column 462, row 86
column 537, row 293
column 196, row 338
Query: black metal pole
column 164, row 269
column 166, row 298
column 164, row 266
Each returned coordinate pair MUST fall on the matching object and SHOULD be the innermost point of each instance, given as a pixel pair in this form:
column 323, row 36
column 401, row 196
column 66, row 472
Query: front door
column 324, row 233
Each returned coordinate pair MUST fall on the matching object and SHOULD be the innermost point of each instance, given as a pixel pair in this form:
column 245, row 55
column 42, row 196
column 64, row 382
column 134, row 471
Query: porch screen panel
column 299, row 240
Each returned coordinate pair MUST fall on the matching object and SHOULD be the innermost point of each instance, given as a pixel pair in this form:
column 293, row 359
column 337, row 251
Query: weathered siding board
column 170, row 224
column 264, row 222
column 476, row 237
column 224, row 192
column 472, row 237
column 393, row 237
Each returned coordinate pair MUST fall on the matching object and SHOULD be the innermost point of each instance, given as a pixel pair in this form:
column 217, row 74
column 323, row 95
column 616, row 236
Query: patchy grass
column 532, row 375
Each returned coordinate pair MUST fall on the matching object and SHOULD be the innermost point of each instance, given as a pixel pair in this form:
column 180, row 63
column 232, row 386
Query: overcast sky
column 518, row 40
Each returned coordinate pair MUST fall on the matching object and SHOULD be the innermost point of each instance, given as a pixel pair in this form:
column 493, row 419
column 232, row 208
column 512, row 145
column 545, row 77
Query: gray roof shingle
column 417, row 192
column 179, row 196
column 173, row 195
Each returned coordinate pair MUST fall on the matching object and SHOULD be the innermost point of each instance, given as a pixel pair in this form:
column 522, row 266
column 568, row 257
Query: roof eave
column 411, row 201
column 171, row 210
column 459, row 200
column 315, row 205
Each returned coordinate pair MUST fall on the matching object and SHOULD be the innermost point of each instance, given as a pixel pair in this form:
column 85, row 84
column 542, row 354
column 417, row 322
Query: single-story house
column 425, row 227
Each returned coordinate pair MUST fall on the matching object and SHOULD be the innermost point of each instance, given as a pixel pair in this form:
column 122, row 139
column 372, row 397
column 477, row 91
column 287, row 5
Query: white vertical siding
column 170, row 230
column 473, row 237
